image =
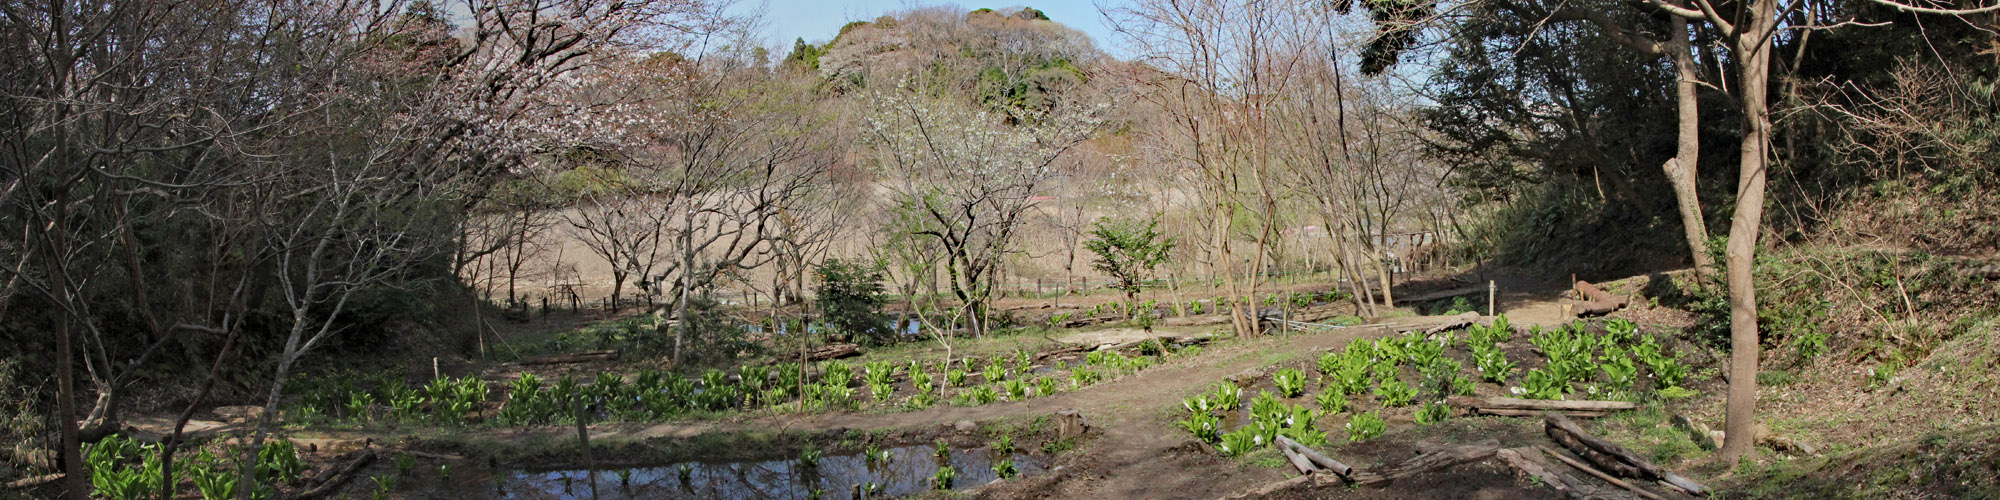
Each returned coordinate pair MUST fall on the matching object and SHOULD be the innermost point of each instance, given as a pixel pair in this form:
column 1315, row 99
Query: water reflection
column 908, row 471
column 910, row 327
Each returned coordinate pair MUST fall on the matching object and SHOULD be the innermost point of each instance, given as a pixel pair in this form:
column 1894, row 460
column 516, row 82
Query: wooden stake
column 583, row 432
column 1492, row 289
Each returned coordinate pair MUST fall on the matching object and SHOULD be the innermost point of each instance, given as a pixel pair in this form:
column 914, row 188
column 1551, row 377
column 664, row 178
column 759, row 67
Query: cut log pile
column 1529, row 462
column 1614, row 458
column 1596, row 302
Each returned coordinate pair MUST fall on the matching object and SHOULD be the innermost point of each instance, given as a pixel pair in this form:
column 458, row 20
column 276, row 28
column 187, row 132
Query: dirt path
column 1108, row 405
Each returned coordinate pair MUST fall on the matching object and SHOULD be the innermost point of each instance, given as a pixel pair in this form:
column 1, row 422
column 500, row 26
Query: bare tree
column 969, row 178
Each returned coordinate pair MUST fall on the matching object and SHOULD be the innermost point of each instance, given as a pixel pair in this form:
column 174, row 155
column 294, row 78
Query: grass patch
column 1266, row 456
column 1650, row 432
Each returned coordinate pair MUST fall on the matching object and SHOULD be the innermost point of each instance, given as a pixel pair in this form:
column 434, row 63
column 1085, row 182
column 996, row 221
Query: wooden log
column 1298, row 461
column 1601, row 475
column 1607, row 461
column 1539, row 404
column 831, row 351
column 1594, row 294
column 581, row 357
column 426, row 454
column 341, row 476
column 1647, row 470
column 1321, row 460
column 34, row 481
column 1067, row 349
column 1462, row 320
column 1441, row 457
column 1511, row 412
column 1596, row 301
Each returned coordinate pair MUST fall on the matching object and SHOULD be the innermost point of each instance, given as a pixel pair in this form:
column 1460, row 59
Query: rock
column 1697, row 432
column 239, row 413
column 1247, row 377
column 965, row 427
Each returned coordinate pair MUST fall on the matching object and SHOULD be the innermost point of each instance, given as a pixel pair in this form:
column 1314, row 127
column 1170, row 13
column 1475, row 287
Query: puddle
column 908, row 471
column 910, row 328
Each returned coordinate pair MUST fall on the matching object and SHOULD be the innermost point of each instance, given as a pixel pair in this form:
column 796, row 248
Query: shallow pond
column 908, row 471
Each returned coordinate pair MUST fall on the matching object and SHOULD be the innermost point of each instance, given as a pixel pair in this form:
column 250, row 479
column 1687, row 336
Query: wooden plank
column 1539, row 404
column 1509, row 412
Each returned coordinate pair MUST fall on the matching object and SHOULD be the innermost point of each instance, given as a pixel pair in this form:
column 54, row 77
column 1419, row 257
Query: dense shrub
column 850, row 297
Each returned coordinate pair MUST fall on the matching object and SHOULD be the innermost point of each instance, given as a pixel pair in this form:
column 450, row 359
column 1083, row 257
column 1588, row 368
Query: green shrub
column 849, row 297
column 1332, row 401
column 835, row 372
column 1016, row 390
column 1227, row 396
column 1433, row 412
column 1492, row 363
column 1083, row 375
column 1539, row 384
column 1045, row 387
column 1240, row 441
column 1365, row 426
column 1203, row 426
column 1395, row 393
column 1004, row 468
column 1329, row 364
column 1290, row 381
column 942, row 479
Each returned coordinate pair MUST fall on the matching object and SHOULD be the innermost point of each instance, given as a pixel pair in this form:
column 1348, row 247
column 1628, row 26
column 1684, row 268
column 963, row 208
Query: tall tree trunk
column 681, row 302
column 1754, row 58
column 1681, row 169
column 1382, row 270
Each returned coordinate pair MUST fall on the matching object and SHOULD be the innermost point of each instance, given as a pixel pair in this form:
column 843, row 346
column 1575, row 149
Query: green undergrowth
column 1867, row 305
column 1962, row 463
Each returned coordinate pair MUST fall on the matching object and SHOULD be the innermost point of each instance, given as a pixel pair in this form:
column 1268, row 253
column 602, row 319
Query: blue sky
column 818, row 20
